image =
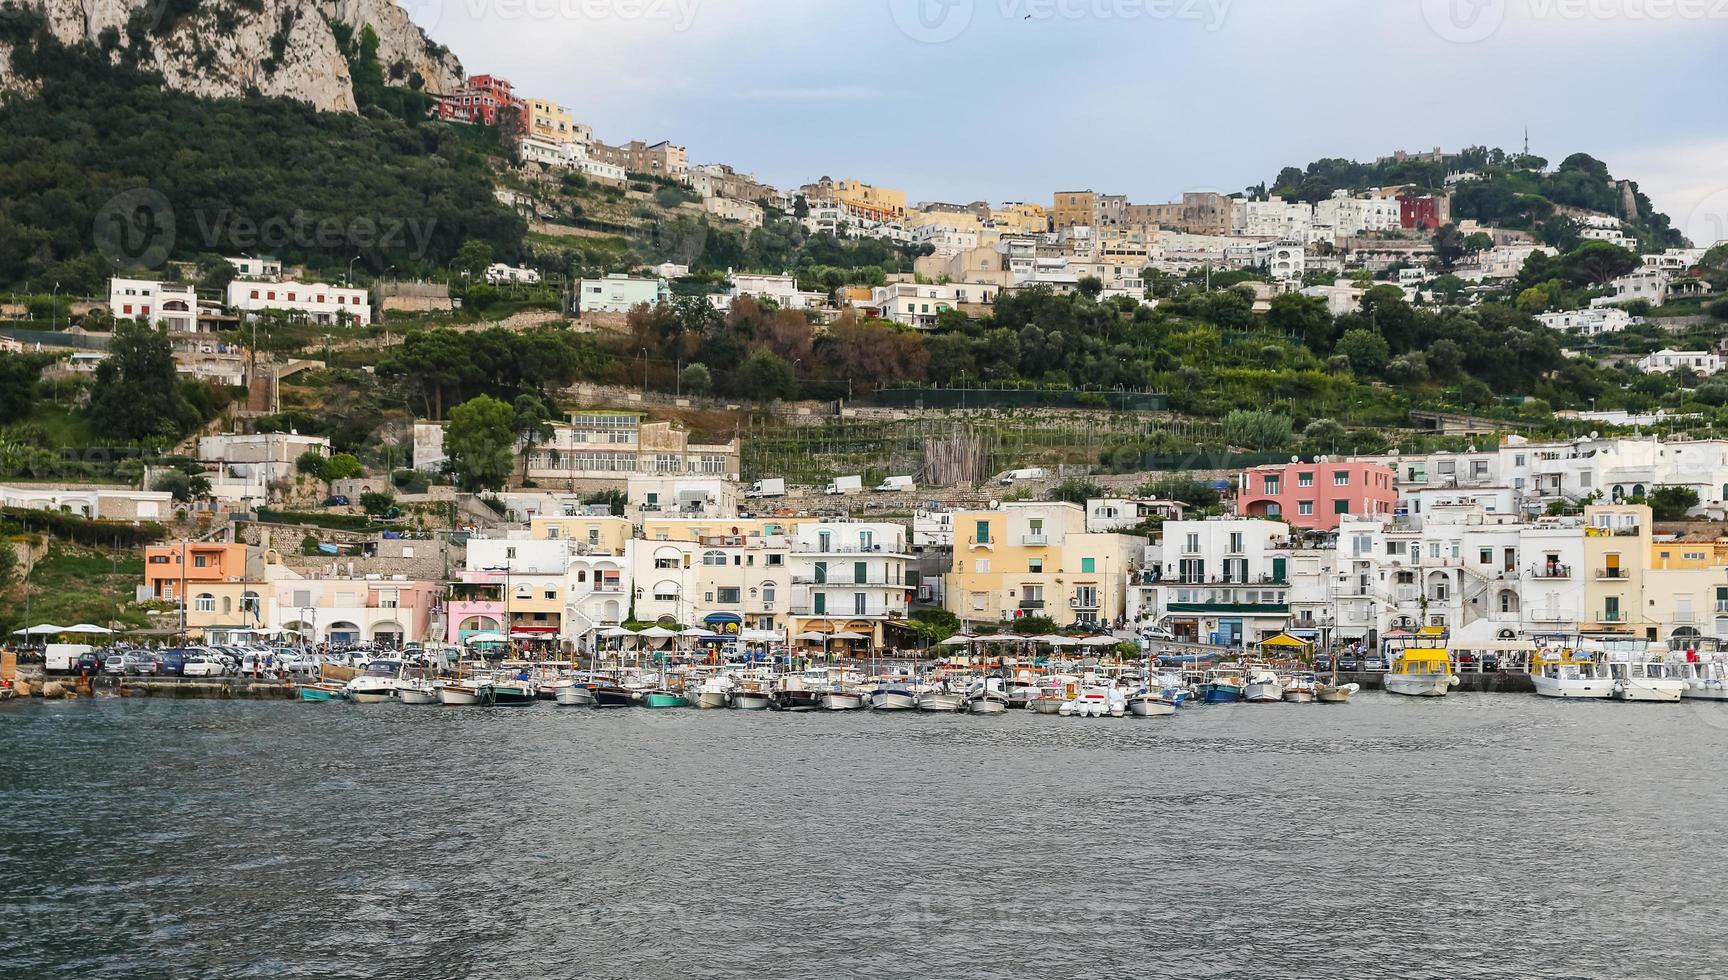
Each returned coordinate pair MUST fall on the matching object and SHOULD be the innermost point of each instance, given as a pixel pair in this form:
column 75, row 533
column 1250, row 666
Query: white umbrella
column 849, row 636
column 46, row 629
column 811, row 637
column 614, row 632
column 761, row 636
column 487, row 638
column 999, row 638
column 959, row 640
column 88, row 630
column 1051, row 639
column 656, row 633
column 1099, row 641
column 697, row 633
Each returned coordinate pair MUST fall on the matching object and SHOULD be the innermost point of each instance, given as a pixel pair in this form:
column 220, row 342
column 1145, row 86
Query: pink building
column 475, row 604
column 1315, row 496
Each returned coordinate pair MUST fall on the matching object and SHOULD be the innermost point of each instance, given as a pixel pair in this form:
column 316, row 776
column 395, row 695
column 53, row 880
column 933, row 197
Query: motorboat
column 574, row 696
column 941, row 700
column 322, row 692
column 1421, row 667
column 1564, row 675
column 1301, row 688
column 377, row 684
column 511, row 692
column 416, row 691
column 1646, row 680
column 1263, row 687
column 715, row 692
column 844, row 700
column 1097, row 701
column 461, row 693
column 1221, row 686
column 1331, row 692
column 1054, row 691
column 664, row 698
column 1706, row 680
column 898, row 697
column 1151, row 704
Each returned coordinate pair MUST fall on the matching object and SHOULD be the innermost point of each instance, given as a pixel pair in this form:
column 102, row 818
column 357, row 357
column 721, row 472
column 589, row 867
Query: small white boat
column 1263, row 687
column 1566, row 677
column 1326, row 693
column 715, row 692
column 752, row 699
column 1705, row 680
column 941, row 701
column 842, row 701
column 574, row 696
column 992, row 703
column 416, row 691
column 1300, row 689
column 894, row 699
column 1150, row 704
column 1093, row 701
column 461, row 694
column 1646, row 681
column 377, row 684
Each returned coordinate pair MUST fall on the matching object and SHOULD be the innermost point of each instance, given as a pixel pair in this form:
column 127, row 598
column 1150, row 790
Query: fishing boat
column 1148, row 703
column 941, row 700
column 322, row 692
column 1564, row 675
column 1221, row 686
column 1301, row 688
column 664, row 698
column 461, row 693
column 844, row 700
column 1421, row 668
column 1646, row 680
column 715, row 692
column 416, row 691
column 377, row 684
column 894, row 697
column 1263, row 687
column 1092, row 701
column 574, row 696
column 510, row 693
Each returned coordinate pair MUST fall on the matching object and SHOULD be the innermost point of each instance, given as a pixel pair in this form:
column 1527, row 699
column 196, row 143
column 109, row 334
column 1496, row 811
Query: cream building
column 1037, row 559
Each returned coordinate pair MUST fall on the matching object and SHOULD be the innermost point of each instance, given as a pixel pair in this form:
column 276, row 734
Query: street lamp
column 349, row 280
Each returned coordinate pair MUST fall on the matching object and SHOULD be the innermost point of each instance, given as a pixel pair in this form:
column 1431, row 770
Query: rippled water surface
column 1479, row 836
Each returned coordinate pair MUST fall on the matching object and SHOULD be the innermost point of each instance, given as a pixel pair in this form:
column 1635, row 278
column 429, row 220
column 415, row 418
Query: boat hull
column 713, row 699
column 1582, row 690
column 894, row 701
column 1654, row 691
column 1419, row 685
column 613, row 697
column 369, row 696
column 1219, row 694
column 574, row 697
column 1263, row 693
column 1328, row 694
column 664, row 699
column 510, row 696
column 416, row 696
column 751, row 701
column 1047, row 706
column 1697, row 691
column 796, row 701
column 1145, row 707
column 459, row 697
column 840, row 701
column 987, row 706
column 936, row 701
column 319, row 695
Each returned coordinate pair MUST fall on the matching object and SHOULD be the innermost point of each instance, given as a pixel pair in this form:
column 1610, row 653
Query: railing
column 1031, row 604
column 1611, row 617
column 1722, row 605
column 1034, row 540
column 877, row 580
column 870, row 612
column 1551, row 571
column 1611, row 574
column 981, row 542
column 842, row 549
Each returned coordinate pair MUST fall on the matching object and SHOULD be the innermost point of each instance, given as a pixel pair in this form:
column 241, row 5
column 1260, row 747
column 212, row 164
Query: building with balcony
column 1027, row 559
column 160, row 304
column 1617, row 551
column 314, row 302
column 1224, row 581
column 1317, row 496
column 619, row 293
column 180, row 567
column 1110, row 514
column 849, row 578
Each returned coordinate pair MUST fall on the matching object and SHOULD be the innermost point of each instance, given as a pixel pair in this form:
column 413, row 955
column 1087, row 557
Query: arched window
column 205, row 603
column 769, row 592
column 714, row 558
column 666, row 592
column 227, row 605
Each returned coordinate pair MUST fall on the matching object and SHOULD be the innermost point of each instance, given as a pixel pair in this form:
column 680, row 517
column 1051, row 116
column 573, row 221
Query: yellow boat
column 1421, row 667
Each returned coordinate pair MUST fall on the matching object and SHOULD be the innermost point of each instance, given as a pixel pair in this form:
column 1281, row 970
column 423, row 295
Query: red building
column 1420, row 212
column 1317, row 496
column 482, row 100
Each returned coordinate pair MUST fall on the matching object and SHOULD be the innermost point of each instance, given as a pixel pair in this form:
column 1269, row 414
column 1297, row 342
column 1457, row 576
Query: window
column 1191, row 544
column 205, row 603
column 1305, row 508
column 1304, row 479
column 983, row 532
column 1340, row 506
column 1088, row 566
column 1035, row 566
column 200, row 561
column 776, row 560
column 1235, row 542
column 982, row 566
column 551, row 595
column 1341, row 479
column 1272, row 485
column 729, row 596
column 1485, row 556
column 714, row 558
column 509, row 553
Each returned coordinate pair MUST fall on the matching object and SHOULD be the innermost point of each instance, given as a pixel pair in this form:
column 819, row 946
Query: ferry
column 1563, row 674
column 1421, row 668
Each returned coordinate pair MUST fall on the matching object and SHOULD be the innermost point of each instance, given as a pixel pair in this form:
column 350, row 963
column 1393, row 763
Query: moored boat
column 1334, row 693
column 941, row 701
column 1705, row 680
column 1563, row 675
column 843, row 701
column 322, row 692
column 461, row 694
column 1151, row 704
column 1301, row 688
column 1220, row 687
column 510, row 693
column 1646, row 681
column 664, row 698
column 574, row 696
column 894, row 699
column 377, row 684
column 1263, row 687
column 1421, row 668
column 416, row 691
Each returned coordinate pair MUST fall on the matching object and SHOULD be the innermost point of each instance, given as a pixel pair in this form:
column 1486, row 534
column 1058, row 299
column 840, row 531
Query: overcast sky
column 958, row 100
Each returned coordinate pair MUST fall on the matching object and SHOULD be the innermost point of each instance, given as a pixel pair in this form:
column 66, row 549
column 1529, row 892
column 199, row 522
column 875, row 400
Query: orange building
column 172, row 569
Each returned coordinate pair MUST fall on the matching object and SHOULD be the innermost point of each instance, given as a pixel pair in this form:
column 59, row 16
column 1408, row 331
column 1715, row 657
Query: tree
column 310, row 462
column 1036, row 626
column 1597, row 262
column 1477, row 242
column 1075, row 490
column 1304, row 317
column 1449, row 245
column 137, row 394
column 1182, row 489
column 473, row 258
column 614, row 499
column 479, row 444
column 1259, row 430
column 183, row 487
column 342, row 466
column 1672, row 503
column 215, row 273
column 1091, row 287
column 1367, row 351
column 378, row 503
column 19, row 374
column 766, row 378
column 695, row 379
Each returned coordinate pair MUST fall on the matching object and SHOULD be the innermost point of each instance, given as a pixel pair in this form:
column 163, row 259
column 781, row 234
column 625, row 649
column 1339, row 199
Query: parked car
column 89, row 662
column 115, row 664
column 170, row 663
column 204, row 665
column 1157, row 633
column 139, row 664
column 338, row 500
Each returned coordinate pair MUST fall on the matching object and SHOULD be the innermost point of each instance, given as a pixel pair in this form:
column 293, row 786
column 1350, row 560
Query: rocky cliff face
column 281, row 48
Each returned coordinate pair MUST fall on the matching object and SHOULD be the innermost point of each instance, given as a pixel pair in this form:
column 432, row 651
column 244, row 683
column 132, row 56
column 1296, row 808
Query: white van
column 61, row 658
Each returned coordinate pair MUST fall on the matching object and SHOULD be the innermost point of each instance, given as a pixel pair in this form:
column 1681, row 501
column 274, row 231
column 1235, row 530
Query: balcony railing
column 870, row 612
column 1722, row 605
column 1612, row 574
column 1611, row 617
column 808, row 548
column 1551, row 571
column 1034, row 540
column 881, row 581
column 1031, row 604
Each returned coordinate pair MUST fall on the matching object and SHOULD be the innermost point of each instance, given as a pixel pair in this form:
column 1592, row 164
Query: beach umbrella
column 999, row 638
column 1099, row 641
column 614, row 632
column 849, row 636
column 46, row 629
column 697, row 633
column 1052, row 639
column 88, row 630
column 959, row 640
column 811, row 636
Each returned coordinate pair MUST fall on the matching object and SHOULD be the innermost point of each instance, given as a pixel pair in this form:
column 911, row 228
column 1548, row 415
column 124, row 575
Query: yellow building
column 589, row 535
column 1686, row 587
column 1021, row 219
column 1037, row 559
column 550, row 121
column 1617, row 552
column 866, row 201
column 1072, row 208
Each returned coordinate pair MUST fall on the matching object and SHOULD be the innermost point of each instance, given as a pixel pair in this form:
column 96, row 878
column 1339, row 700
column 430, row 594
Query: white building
column 619, row 293
column 848, row 578
column 156, row 303
column 259, row 459
column 744, row 212
column 261, row 267
column 1704, row 363
column 499, row 274
column 920, row 304
column 569, row 156
column 1589, row 323
column 1223, row 581
column 96, row 503
column 1273, row 218
column 315, row 301
column 1283, row 261
column 1349, row 216
column 1110, row 514
column 782, row 290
